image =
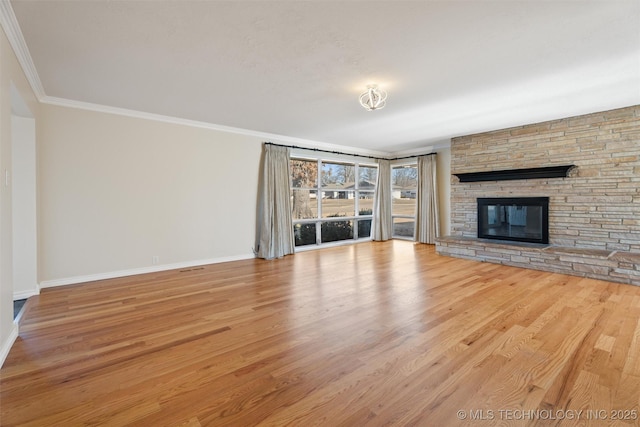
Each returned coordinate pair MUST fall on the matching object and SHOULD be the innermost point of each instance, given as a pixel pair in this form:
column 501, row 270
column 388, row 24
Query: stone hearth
column 615, row 266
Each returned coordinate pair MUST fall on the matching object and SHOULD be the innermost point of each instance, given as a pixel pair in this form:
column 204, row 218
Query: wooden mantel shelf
column 511, row 174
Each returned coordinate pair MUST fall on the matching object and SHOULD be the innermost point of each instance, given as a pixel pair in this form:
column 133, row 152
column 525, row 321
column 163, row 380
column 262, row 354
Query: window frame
column 411, row 163
column 320, row 189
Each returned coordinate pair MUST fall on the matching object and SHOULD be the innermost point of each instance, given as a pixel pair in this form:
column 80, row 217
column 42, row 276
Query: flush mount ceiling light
column 373, row 99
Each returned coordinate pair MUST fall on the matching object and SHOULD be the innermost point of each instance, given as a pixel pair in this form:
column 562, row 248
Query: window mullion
column 319, row 198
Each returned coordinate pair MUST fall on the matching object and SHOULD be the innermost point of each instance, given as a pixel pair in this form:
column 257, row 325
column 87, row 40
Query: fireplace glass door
column 524, row 219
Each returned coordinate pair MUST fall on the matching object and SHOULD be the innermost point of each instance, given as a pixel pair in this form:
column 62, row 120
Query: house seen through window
column 404, row 188
column 331, row 200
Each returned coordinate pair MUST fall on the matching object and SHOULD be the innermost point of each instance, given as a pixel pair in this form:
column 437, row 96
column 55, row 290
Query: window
column 331, row 200
column 404, row 188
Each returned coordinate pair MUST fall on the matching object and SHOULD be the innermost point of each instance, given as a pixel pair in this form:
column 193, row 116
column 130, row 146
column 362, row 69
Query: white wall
column 117, row 191
column 12, row 79
column 443, row 165
column 23, row 152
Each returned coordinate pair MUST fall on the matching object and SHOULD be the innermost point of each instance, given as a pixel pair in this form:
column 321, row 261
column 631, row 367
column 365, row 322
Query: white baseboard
column 142, row 270
column 6, row 345
column 26, row 294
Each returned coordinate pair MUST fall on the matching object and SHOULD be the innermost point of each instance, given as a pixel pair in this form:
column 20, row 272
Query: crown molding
column 422, row 150
column 16, row 40
column 303, row 143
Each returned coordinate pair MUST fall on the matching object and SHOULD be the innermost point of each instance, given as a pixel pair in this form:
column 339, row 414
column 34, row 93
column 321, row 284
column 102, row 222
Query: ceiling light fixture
column 373, row 98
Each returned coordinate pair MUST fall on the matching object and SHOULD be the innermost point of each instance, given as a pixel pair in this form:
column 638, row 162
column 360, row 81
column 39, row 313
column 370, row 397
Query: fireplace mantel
column 511, row 174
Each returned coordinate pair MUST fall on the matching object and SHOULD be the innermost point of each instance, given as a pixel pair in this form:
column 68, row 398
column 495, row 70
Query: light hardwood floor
column 370, row 334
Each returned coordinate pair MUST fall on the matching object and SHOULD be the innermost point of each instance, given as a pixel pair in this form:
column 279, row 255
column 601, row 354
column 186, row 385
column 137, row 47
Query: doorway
column 22, row 180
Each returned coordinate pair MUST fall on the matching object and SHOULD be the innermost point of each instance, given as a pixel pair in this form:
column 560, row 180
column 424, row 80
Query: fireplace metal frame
column 520, row 201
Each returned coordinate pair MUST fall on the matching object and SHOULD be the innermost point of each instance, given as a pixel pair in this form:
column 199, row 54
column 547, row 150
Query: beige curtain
column 427, row 219
column 382, row 223
column 275, row 227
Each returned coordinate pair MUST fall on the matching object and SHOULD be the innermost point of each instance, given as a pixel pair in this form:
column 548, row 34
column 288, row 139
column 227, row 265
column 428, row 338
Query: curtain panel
column 274, row 226
column 382, row 227
column 427, row 217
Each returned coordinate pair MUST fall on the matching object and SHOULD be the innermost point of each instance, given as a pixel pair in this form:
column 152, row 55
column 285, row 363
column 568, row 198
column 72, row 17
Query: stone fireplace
column 594, row 210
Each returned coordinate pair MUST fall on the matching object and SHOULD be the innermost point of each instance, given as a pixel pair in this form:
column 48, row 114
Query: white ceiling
column 296, row 68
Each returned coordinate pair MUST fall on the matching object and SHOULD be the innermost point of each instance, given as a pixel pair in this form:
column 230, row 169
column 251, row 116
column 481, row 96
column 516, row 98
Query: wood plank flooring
column 371, row 334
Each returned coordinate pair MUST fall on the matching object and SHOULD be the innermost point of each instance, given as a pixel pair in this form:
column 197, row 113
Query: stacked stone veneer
column 594, row 213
